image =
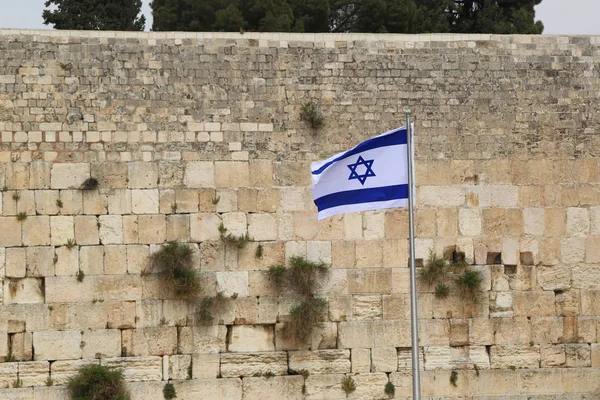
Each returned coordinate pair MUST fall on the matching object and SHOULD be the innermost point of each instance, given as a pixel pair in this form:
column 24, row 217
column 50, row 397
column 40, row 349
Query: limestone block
column 572, row 250
column 534, row 221
column 469, row 222
column 180, row 366
column 324, row 336
column 508, row 331
column 34, row 373
column 517, row 356
column 115, row 260
column 446, row 358
column 61, row 371
column 366, row 307
column 50, row 393
column 101, row 343
column 199, row 174
column 202, row 339
column 178, row 228
column 206, row 366
column 137, row 368
column 361, row 360
column 529, row 304
column 510, row 251
column 16, row 262
column 121, row 315
column 227, row 201
column 23, row 291
column 277, row 387
column 252, row 338
column 62, row 345
column 384, row 359
column 204, row 226
column 235, row 223
column 112, row 287
column 91, row 260
column 36, row 231
column 67, row 261
column 8, row 375
column 10, row 234
column 578, row 221
column 111, row 175
column 17, row 175
column 232, row 174
column 170, row 173
column 320, row 387
column 86, row 230
column 230, row 283
column 369, row 386
column 253, row 364
column 436, row 196
column 142, row 175
column 111, row 229
column 343, row 254
column 296, row 199
column 368, row 281
column 39, row 175
column 595, row 354
column 69, row 175
column 46, row 202
column 578, row 355
column 153, row 341
column 355, row 334
column 21, row 346
column 552, row 355
column 425, row 223
column 262, row 227
column 554, row 278
column 320, row 361
column 556, row 221
column 119, row 202
column 40, row 261
column 405, row 359
column 152, row 229
column 72, row 201
column 395, row 333
column 144, row 201
column 267, row 310
column 130, row 229
column 247, row 199
column 61, row 230
column 304, row 226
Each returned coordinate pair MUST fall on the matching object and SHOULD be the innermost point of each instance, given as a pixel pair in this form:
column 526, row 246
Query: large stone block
column 252, row 338
column 469, row 221
column 64, row 345
column 143, row 175
column 232, row 283
column 10, row 234
column 152, row 229
column 384, row 359
column 232, row 174
column 61, row 230
column 199, row 174
column 86, row 230
column 35, row 373
column 112, row 288
column 23, row 291
column 367, row 281
column 101, row 343
column 278, row 387
column 137, row 368
column 355, row 334
column 36, row 231
column 119, row 202
column 144, row 201
column 515, row 356
column 40, row 261
column 203, row 339
column 69, row 175
column 253, row 364
column 111, row 175
column 46, row 202
column 111, row 229
column 204, row 227
column 39, row 175
column 320, row 361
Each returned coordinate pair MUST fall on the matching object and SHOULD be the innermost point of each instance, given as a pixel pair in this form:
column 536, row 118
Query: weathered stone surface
column 101, row 343
column 23, row 291
column 205, row 365
column 69, row 175
column 253, row 364
column 137, row 368
column 321, row 387
column 34, row 373
column 515, row 356
column 321, row 361
column 63, row 345
column 384, row 359
column 252, row 338
column 180, row 366
column 284, row 387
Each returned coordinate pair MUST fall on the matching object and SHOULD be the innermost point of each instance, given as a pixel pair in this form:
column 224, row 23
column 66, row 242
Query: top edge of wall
column 305, row 37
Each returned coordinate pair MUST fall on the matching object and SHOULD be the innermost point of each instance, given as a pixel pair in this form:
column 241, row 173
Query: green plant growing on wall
column 215, row 200
column 259, row 251
column 277, row 273
column 453, row 378
column 312, row 114
column 18, row 383
column 90, row 184
column 21, row 216
column 445, row 277
column 16, row 196
column 98, row 382
column 230, row 239
column 80, row 275
column 169, row 391
column 70, row 243
column 390, row 389
column 210, row 306
column 304, row 317
column 174, row 262
column 348, row 384
column 59, row 203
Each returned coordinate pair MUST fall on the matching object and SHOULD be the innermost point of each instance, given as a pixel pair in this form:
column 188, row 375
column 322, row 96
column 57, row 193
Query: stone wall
column 507, row 171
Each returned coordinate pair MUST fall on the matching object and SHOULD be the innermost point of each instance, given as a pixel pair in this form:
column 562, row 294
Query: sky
column 575, row 17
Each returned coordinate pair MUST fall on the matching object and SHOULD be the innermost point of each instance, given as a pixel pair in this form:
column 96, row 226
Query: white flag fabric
column 371, row 176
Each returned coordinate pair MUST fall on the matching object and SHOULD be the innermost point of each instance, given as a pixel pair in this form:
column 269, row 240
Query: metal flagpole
column 416, row 378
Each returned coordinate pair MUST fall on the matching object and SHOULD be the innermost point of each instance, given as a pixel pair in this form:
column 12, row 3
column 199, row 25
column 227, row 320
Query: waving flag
column 371, row 176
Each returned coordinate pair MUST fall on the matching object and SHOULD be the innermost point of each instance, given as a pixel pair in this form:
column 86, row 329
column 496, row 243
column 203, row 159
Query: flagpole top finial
column 407, row 110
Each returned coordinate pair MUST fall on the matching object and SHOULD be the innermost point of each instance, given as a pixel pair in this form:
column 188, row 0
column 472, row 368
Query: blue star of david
column 369, row 172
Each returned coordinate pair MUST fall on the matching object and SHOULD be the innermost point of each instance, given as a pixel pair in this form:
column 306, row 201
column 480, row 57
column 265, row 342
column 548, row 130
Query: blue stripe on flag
column 384, row 193
column 391, row 139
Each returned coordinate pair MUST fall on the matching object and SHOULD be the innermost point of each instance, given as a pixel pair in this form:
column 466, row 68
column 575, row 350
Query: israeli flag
column 371, row 176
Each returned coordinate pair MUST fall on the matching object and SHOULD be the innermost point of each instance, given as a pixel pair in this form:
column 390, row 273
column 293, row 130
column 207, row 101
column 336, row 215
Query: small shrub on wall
column 98, row 382
column 174, row 261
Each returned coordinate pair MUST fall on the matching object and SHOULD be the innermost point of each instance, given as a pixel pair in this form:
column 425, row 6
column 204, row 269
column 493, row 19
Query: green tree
column 397, row 16
column 494, row 16
column 114, row 15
